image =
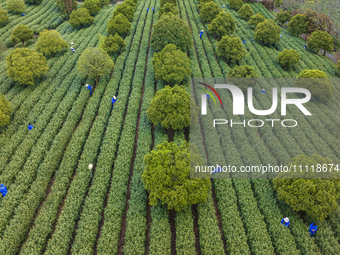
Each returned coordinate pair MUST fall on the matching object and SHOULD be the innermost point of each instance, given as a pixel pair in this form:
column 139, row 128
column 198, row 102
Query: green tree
column 305, row 192
column 170, row 108
column 103, row 3
column 283, row 16
column 5, row 111
column 268, row 32
column 93, row 6
column 3, row 16
column 33, row 1
column 320, row 40
column 298, row 25
column 94, row 63
column 222, row 25
column 167, row 177
column 235, row 4
column 21, row 34
column 338, row 66
column 168, row 9
column 111, row 44
column 287, row 58
column 256, row 19
column 278, row 3
column 203, row 2
column 246, row 12
column 17, row 6
column 171, row 65
column 50, row 42
column 24, row 65
column 170, row 30
column 125, row 9
column 131, row 3
column 163, row 2
column 230, row 48
column 209, row 11
column 242, row 76
column 317, row 83
column 67, row 6
column 119, row 25
column 80, row 17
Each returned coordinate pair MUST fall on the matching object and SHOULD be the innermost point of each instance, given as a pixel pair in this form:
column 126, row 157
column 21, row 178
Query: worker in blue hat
column 285, row 221
column 23, row 14
column 201, row 33
column 312, row 229
column 89, row 88
column 147, row 9
column 3, row 190
column 153, row 9
column 244, row 41
column 113, row 101
column 217, row 169
column 30, row 126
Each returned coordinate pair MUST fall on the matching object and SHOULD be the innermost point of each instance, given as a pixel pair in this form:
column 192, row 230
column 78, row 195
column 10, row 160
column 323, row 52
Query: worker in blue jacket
column 113, row 101
column 312, row 229
column 201, row 33
column 286, row 222
column 30, row 126
column 3, row 190
column 89, row 88
column 147, row 10
column 263, row 91
column 208, row 96
column 153, row 10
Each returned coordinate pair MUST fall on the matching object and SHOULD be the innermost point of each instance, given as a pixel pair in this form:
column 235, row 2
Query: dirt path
column 330, row 56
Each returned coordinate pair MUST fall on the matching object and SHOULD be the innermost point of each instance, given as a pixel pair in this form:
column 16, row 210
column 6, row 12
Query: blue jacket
column 3, row 190
column 312, row 228
column 153, row 8
column 201, row 33
column 113, row 100
column 286, row 224
column 147, row 9
column 208, row 96
column 30, row 127
column 89, row 87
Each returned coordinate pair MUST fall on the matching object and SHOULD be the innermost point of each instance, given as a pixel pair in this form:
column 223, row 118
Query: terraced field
column 55, row 205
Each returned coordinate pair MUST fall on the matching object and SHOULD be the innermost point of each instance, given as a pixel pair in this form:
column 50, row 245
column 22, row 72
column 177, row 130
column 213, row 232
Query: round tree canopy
column 256, row 19
column 171, row 65
column 167, row 177
column 170, row 107
column 222, row 25
column 317, row 83
column 170, row 29
column 24, row 65
column 268, row 32
column 310, row 192
column 5, row 111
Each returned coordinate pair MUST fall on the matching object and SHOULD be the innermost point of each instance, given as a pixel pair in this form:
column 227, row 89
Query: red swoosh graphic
column 213, row 90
